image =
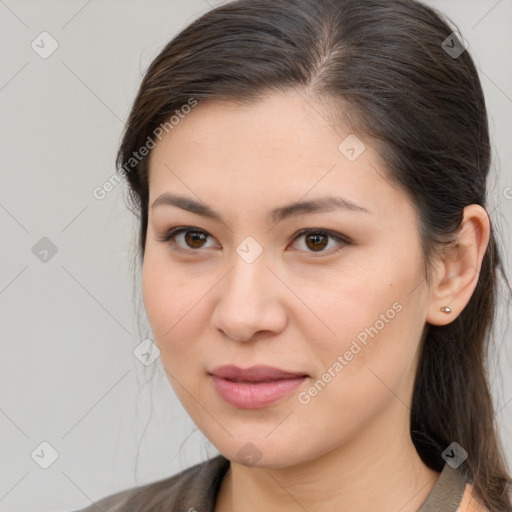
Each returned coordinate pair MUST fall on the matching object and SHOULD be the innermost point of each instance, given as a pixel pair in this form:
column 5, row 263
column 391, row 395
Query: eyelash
column 171, row 234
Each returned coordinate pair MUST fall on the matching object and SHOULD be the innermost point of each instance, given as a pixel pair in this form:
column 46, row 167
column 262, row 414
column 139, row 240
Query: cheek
column 165, row 297
column 374, row 330
column 362, row 373
column 155, row 295
column 173, row 302
column 348, row 308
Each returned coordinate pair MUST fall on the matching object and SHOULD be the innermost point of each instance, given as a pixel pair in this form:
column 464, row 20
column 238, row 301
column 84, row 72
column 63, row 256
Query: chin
column 261, row 453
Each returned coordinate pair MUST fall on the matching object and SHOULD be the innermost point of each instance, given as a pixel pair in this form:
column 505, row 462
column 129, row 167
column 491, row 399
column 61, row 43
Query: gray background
column 69, row 325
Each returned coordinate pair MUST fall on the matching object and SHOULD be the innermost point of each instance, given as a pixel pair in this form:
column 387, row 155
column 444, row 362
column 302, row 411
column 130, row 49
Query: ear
column 457, row 270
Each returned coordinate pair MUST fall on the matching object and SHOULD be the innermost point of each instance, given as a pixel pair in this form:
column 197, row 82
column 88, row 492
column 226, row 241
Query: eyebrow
column 321, row 204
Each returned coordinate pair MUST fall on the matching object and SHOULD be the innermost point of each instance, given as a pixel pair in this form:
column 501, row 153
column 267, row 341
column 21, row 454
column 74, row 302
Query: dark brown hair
column 382, row 68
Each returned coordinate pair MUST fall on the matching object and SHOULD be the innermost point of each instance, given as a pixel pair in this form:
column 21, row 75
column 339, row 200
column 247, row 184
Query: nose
column 250, row 302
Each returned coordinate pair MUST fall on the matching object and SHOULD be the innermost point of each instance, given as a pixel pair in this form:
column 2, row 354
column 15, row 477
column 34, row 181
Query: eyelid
column 169, row 236
column 338, row 237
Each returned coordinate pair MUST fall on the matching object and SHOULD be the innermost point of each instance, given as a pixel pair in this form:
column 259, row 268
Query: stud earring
column 446, row 309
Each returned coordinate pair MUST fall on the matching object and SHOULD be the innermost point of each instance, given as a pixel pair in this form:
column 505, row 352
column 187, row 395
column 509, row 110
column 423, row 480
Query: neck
column 378, row 469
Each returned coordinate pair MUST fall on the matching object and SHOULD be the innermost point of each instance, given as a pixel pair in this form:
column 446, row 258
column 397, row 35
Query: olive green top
column 196, row 489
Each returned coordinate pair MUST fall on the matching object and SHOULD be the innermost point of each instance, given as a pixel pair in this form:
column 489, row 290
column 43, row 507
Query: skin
column 298, row 305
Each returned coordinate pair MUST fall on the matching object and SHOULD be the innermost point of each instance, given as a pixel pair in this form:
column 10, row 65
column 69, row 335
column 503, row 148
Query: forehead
column 278, row 149
column 279, row 124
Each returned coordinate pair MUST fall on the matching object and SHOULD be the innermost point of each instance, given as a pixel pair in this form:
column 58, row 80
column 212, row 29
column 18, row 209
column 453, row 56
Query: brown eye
column 186, row 238
column 316, row 241
column 195, row 239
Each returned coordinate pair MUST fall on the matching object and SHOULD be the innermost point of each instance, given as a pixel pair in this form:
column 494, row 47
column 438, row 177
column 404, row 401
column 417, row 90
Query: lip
column 254, row 387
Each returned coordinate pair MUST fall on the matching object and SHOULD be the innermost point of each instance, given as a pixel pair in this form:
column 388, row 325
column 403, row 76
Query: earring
column 446, row 309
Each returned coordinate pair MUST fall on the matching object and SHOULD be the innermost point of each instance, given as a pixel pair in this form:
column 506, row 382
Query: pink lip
column 255, row 387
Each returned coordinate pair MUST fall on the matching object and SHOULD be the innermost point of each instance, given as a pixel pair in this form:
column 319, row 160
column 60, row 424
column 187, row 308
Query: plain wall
column 69, row 324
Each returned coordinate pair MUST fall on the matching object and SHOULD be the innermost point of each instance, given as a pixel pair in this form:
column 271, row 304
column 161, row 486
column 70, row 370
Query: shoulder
column 469, row 502
column 453, row 492
column 193, row 488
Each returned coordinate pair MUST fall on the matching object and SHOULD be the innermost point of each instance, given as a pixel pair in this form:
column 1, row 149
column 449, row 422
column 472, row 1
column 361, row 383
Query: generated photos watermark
column 108, row 185
column 305, row 397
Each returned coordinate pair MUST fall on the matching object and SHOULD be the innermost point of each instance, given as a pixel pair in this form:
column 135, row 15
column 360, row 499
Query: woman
column 318, row 267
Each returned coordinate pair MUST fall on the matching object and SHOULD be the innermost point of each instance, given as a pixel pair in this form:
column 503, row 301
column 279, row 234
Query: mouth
column 255, row 387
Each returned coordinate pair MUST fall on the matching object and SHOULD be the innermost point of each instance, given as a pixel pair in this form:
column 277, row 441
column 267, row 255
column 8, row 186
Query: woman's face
column 250, row 290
